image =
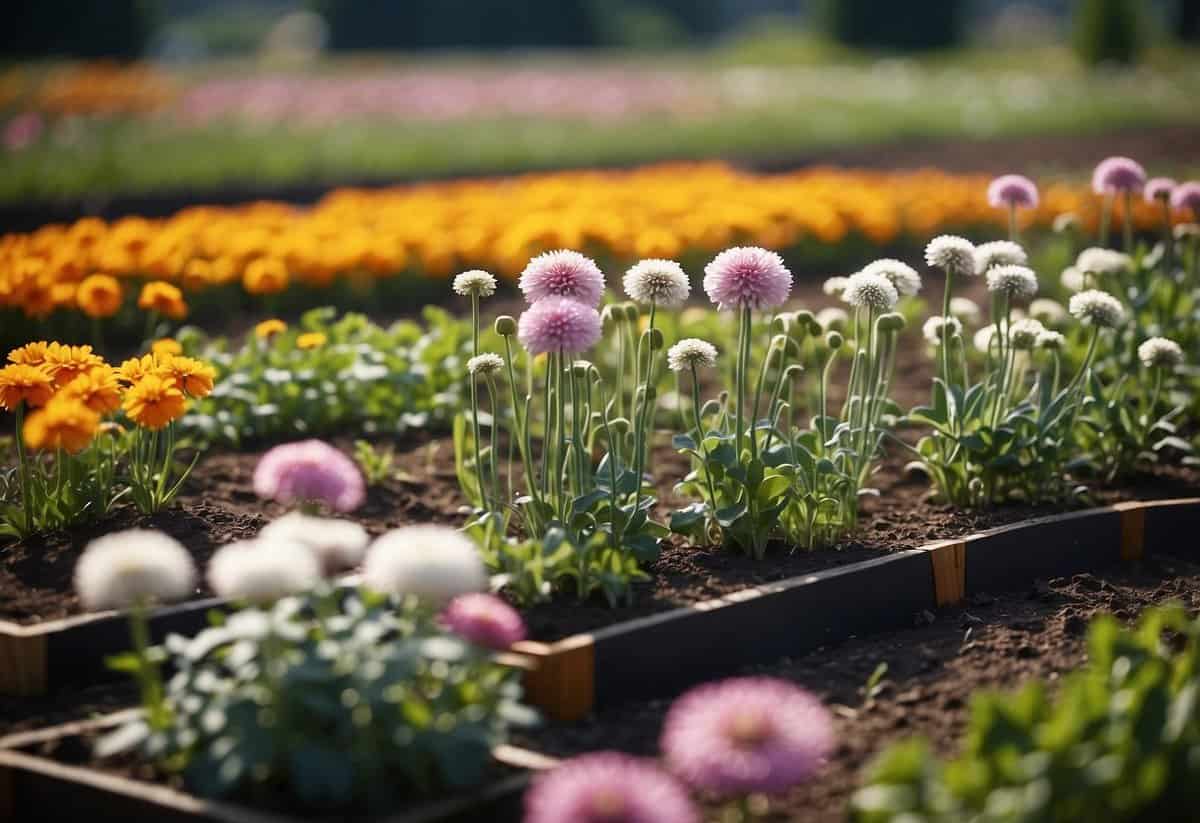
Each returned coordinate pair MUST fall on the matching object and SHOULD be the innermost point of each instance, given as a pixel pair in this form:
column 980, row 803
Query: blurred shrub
column 77, row 28
column 1107, row 31
column 931, row 24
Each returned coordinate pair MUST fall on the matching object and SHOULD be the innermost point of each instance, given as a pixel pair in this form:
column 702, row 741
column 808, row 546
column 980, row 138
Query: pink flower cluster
column 310, row 471
column 563, row 288
column 485, row 620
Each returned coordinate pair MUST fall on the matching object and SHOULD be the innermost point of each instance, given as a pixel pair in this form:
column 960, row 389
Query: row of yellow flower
column 69, row 389
column 440, row 228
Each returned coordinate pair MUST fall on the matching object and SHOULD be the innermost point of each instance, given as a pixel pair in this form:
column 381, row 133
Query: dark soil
column 993, row 642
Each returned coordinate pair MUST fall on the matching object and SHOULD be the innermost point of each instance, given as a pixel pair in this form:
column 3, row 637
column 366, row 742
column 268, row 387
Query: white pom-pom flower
column 1024, row 333
column 936, row 326
column 984, row 337
column 1103, row 261
column 834, row 286
column 1017, row 282
column 871, row 291
column 832, row 317
column 691, row 352
column 133, row 567
column 999, row 253
column 903, row 276
column 485, row 363
column 1051, row 340
column 952, row 254
column 964, row 308
column 661, row 282
column 259, row 571
column 1073, row 279
column 434, row 563
column 338, row 544
column 1160, row 352
column 1097, row 308
column 475, row 282
column 1047, row 310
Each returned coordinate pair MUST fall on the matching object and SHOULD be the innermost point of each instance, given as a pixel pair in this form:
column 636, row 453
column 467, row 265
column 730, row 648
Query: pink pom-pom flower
column 484, row 620
column 1159, row 188
column 562, row 273
column 1187, row 196
column 1013, row 190
column 608, row 787
column 1118, row 174
column 746, row 735
column 748, row 276
column 558, row 324
column 309, row 471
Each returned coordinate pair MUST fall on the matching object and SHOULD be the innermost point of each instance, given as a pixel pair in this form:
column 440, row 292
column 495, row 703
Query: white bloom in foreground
column 1073, row 279
column 903, row 276
column 1015, row 281
column 952, row 254
column 475, row 282
column 1160, row 352
column 1097, row 308
column 691, row 352
column 1024, row 333
column 1103, row 261
column 933, row 329
column 124, row 568
column 834, row 286
column 338, row 544
column 260, row 571
column 984, row 337
column 999, row 253
column 662, row 282
column 871, row 291
column 832, row 317
column 485, row 364
column 964, row 308
column 435, row 563
column 1051, row 340
column 1047, row 310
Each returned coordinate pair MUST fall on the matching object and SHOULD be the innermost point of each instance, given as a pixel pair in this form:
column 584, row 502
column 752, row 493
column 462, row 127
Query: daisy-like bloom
column 154, row 401
column 31, row 354
column 24, row 384
column 485, row 364
column 477, row 283
column 260, row 571
column 953, row 255
column 99, row 295
column 1118, row 174
column 608, row 787
column 1015, row 281
column 166, row 347
column 63, row 423
column 192, row 377
column 555, row 324
column 164, row 298
column 1187, row 196
column 97, row 388
column 485, row 620
column 562, row 273
column 269, row 328
column 1023, row 334
column 309, row 471
column 131, row 567
column 833, row 317
column 747, row 277
column 691, row 352
column 1012, row 191
column 1102, row 261
column 1065, row 222
column 1047, row 310
column 983, row 338
column 872, row 291
column 434, row 563
column 266, row 275
column 964, row 308
column 661, row 282
column 834, row 286
column 999, row 253
column 903, row 276
column 932, row 330
column 1160, row 352
column 135, row 368
column 746, row 735
column 1096, row 308
column 337, row 544
column 1072, row 279
column 64, row 363
column 1159, row 189
column 311, row 340
column 1051, row 340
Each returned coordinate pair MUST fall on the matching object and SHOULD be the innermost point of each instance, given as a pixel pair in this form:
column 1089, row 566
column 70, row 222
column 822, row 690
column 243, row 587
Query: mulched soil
column 934, row 666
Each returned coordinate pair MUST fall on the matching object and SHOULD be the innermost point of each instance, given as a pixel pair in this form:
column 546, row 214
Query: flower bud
column 891, row 322
column 506, row 325
column 632, row 314
column 619, row 425
column 794, row 372
column 834, row 340
column 581, row 368
column 609, row 316
column 655, row 339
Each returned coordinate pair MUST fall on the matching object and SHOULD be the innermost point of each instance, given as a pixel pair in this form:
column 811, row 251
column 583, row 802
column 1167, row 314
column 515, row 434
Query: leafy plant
column 375, row 462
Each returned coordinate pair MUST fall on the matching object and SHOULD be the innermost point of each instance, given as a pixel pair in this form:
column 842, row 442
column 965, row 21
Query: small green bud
column 632, row 313
column 891, row 322
column 581, row 368
column 609, row 316
column 656, row 338
column 506, row 326
column 794, row 372
column 619, row 425
column 834, row 340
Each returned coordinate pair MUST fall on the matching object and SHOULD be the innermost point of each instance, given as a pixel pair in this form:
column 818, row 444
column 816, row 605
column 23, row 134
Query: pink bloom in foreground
column 558, row 324
column 1187, row 196
column 563, row 274
column 1012, row 190
column 309, row 471
column 747, row 277
column 1159, row 188
column 746, row 735
column 484, row 620
column 1118, row 174
column 608, row 787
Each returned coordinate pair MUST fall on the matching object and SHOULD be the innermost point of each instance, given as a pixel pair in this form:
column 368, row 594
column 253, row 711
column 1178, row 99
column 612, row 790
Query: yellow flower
column 65, row 423
column 153, row 402
column 163, row 298
column 99, row 296
column 97, row 388
column 266, row 275
column 269, row 328
column 191, row 376
column 311, row 340
column 20, row 383
column 31, row 354
column 64, row 363
column 166, row 346
column 135, row 368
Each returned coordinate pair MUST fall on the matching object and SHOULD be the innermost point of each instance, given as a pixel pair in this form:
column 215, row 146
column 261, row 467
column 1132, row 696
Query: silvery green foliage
column 332, row 700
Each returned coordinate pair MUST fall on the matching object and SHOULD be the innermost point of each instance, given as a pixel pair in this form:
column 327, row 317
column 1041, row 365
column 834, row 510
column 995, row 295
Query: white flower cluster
column 485, row 364
column 475, row 282
column 1096, row 308
column 1016, row 281
column 691, row 353
column 936, row 326
column 903, row 276
column 999, row 253
column 661, row 282
column 952, row 254
column 1102, row 261
column 871, row 291
column 1160, row 352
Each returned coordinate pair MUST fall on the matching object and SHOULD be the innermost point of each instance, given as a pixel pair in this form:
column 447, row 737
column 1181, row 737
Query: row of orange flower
column 436, row 229
column 94, row 88
column 68, row 390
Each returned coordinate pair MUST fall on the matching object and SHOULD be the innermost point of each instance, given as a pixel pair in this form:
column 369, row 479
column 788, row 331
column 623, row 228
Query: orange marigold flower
column 269, row 328
column 31, row 354
column 64, row 363
column 311, row 340
column 266, row 275
column 20, row 383
column 154, row 401
column 193, row 377
column 65, row 423
column 135, row 368
column 164, row 298
column 166, row 346
column 97, row 388
column 99, row 296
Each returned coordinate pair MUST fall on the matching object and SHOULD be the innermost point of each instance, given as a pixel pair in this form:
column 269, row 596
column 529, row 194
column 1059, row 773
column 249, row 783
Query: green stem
column 520, row 424
column 23, row 463
column 645, row 414
column 1127, row 223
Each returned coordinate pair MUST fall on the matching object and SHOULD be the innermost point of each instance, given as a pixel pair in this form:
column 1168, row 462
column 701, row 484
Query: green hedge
column 911, row 26
column 1108, row 31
